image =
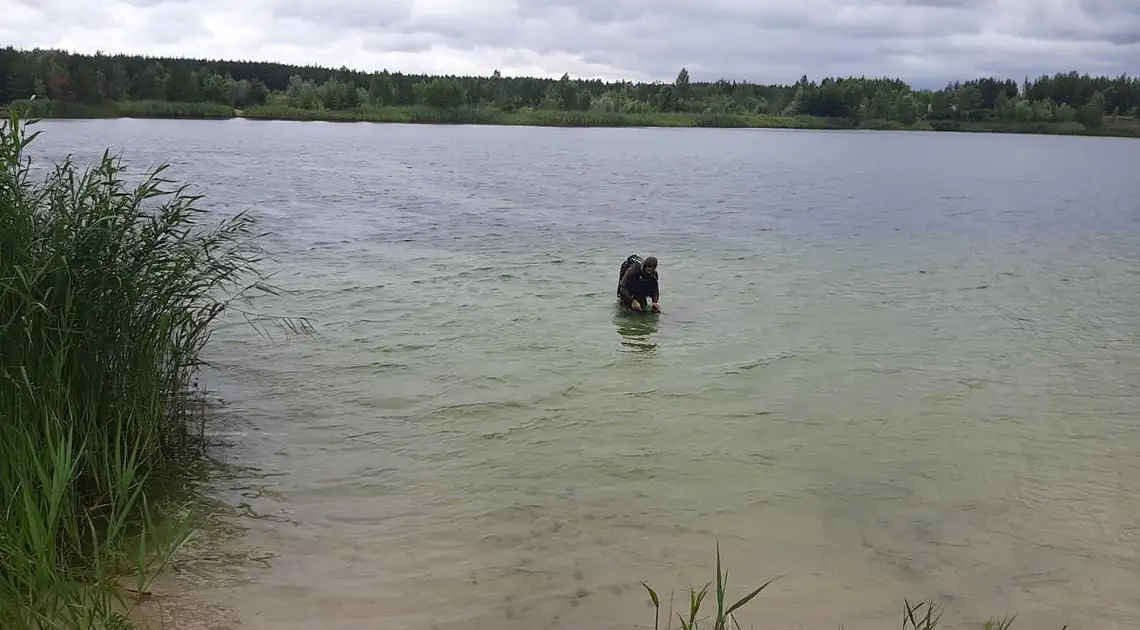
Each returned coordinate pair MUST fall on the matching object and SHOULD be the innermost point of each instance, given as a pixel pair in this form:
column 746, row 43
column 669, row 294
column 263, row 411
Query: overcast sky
column 923, row 41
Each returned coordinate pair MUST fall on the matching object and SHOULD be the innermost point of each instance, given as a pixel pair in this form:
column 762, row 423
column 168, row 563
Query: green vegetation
column 72, row 85
column 696, row 599
column 541, row 117
column 921, row 616
column 107, row 297
column 44, row 108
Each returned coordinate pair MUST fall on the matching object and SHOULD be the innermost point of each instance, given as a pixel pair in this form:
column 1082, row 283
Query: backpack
column 633, row 259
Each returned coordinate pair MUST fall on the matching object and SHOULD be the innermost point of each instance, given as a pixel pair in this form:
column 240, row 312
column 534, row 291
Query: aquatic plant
column 108, row 294
column 920, row 616
column 697, row 598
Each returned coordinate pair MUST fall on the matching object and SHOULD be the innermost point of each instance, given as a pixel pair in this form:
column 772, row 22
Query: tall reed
column 107, row 296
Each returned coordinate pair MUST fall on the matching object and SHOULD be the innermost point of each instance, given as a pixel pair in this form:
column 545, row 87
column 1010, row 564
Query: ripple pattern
column 890, row 365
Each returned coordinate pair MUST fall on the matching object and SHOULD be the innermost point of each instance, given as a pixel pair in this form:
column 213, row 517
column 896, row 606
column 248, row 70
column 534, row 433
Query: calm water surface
column 889, row 365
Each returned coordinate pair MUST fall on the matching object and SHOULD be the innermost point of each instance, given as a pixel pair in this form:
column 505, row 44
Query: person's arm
column 626, row 281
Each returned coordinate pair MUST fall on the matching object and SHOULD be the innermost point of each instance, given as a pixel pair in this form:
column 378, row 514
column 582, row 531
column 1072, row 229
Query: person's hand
column 656, row 307
column 635, row 305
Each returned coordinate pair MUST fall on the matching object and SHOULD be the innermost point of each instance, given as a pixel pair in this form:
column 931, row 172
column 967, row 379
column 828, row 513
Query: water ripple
column 864, row 378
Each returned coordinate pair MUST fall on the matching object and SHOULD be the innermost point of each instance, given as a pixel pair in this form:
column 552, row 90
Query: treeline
column 98, row 79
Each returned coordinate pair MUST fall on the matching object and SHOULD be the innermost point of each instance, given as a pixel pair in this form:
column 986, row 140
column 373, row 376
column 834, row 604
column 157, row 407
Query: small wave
column 359, row 287
column 751, row 365
column 376, row 366
column 403, row 347
column 479, row 407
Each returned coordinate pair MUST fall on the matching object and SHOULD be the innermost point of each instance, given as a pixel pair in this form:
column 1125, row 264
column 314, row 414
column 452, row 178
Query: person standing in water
column 638, row 283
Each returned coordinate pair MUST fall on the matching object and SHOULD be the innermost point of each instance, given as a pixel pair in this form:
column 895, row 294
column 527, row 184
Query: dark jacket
column 636, row 284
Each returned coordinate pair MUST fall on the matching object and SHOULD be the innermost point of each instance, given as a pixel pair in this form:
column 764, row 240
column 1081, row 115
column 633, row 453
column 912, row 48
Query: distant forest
column 95, row 79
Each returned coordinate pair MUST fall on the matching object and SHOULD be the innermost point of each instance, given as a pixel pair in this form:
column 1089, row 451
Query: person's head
column 650, row 265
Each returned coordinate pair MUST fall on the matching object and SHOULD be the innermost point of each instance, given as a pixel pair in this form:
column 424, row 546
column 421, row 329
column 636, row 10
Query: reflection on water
column 636, row 329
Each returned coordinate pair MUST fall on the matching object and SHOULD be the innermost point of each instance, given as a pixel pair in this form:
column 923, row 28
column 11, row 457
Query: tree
column 1002, row 105
column 302, row 93
column 338, row 95
column 182, row 86
column 258, row 92
column 1066, row 113
column 443, row 93
column 1092, row 113
column 380, row 92
column 214, row 88
column 567, row 95
column 881, row 106
column 92, row 78
column 21, row 80
column 1023, row 111
column 667, row 99
column 940, row 106
column 8, row 58
column 967, row 99
column 906, row 110
column 58, row 88
column 86, row 85
column 118, row 83
column 681, row 85
column 1043, row 111
column 57, row 79
column 150, row 84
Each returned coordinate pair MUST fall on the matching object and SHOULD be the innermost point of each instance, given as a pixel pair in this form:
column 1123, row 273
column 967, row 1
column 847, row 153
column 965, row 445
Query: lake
column 889, row 365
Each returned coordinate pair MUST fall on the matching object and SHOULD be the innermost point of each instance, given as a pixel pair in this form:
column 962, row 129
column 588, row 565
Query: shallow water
column 890, row 365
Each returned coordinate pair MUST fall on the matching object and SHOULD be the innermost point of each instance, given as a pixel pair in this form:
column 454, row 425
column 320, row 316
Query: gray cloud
column 172, row 22
column 403, row 42
column 143, row 4
column 352, row 14
column 924, row 41
column 946, row 4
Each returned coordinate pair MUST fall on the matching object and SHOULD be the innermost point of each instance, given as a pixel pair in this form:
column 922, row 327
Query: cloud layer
column 925, row 41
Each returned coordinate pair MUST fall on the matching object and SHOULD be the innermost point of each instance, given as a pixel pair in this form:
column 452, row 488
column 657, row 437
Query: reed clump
column 107, row 296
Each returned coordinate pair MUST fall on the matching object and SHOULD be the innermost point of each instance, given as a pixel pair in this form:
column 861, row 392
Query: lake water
column 890, row 365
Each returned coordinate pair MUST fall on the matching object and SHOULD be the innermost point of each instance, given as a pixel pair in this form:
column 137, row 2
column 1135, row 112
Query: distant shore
column 1128, row 127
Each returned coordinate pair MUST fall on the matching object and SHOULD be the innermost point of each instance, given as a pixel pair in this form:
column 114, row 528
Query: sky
column 926, row 42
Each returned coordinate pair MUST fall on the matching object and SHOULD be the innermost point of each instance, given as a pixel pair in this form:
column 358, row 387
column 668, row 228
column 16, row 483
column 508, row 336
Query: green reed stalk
column 921, row 616
column 107, row 297
column 697, row 598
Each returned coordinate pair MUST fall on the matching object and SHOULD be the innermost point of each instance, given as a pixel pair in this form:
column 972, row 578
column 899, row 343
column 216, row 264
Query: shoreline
column 1119, row 127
